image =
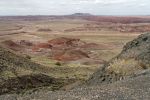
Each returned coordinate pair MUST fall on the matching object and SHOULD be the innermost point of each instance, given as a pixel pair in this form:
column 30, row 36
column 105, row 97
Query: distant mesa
column 81, row 14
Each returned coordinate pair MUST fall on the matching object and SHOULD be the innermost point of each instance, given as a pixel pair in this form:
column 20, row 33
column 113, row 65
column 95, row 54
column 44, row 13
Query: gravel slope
column 137, row 88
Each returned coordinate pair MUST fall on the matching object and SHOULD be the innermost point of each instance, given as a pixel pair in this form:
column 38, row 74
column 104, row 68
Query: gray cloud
column 104, row 7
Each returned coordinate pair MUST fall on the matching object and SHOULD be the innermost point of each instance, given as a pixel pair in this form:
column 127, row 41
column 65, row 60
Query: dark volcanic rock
column 17, row 84
column 138, row 49
column 134, row 57
column 18, row 74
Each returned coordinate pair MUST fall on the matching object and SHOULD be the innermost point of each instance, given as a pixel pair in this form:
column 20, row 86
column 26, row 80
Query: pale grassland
column 18, row 72
column 44, row 61
column 70, row 70
column 7, row 74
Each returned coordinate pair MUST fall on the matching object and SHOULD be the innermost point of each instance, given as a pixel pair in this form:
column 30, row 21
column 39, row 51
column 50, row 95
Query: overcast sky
column 61, row 7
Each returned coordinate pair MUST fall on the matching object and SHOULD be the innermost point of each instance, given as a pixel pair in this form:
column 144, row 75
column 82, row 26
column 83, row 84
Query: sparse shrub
column 28, row 57
column 124, row 66
column 58, row 64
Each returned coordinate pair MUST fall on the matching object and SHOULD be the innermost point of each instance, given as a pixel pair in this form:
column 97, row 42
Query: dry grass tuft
column 125, row 66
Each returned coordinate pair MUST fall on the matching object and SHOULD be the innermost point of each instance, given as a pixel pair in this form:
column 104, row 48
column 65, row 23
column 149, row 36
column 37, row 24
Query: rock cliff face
column 134, row 58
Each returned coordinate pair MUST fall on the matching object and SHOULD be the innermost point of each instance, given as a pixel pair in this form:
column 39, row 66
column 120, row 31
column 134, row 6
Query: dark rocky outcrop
column 138, row 48
column 134, row 58
column 18, row 74
column 26, row 82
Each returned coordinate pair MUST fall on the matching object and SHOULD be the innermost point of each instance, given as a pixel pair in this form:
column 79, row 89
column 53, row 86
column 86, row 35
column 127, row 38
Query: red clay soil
column 65, row 41
column 70, row 55
column 25, row 43
column 12, row 45
column 41, row 45
column 68, row 49
column 61, row 49
column 64, row 49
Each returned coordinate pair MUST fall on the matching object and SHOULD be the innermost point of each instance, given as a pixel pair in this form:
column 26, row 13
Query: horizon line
column 13, row 15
